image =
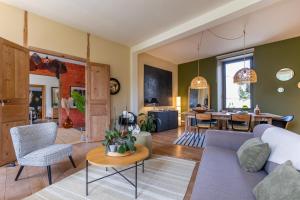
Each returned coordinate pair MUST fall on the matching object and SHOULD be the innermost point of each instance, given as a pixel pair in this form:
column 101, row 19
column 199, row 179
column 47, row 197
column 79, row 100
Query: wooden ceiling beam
column 57, row 54
column 88, row 50
column 25, row 29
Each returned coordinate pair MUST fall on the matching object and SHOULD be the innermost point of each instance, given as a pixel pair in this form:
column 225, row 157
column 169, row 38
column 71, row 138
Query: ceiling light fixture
column 199, row 82
column 245, row 75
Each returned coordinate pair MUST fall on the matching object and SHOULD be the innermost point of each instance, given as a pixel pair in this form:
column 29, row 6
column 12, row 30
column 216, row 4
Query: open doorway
column 37, row 106
column 59, row 77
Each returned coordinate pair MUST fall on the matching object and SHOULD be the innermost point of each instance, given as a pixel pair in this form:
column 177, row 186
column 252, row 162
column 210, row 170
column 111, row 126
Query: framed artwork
column 55, row 96
column 114, row 86
column 157, row 86
column 80, row 90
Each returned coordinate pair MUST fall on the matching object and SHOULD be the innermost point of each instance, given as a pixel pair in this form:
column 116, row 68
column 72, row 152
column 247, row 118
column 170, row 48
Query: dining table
column 225, row 116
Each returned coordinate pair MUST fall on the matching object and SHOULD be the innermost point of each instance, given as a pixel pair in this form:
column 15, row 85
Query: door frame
column 43, row 98
column 87, row 65
column 63, row 56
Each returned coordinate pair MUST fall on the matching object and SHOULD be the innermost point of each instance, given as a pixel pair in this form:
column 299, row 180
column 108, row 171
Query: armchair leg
column 72, row 161
column 49, row 174
column 19, row 172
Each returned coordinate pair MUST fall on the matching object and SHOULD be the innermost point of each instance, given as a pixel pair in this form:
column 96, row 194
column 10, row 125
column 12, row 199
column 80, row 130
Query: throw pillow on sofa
column 282, row 183
column 253, row 154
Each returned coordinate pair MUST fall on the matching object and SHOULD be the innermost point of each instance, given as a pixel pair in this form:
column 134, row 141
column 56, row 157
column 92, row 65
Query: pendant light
column 199, row 82
column 245, row 75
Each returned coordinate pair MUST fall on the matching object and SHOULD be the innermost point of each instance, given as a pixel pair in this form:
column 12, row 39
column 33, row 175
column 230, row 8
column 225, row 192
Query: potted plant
column 79, row 101
column 245, row 109
column 119, row 143
column 147, row 122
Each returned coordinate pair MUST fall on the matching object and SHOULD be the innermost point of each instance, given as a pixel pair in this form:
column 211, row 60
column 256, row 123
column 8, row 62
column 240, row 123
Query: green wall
column 188, row 71
column 268, row 59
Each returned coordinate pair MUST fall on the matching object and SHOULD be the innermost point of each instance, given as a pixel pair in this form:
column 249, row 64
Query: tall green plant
column 79, row 101
column 147, row 122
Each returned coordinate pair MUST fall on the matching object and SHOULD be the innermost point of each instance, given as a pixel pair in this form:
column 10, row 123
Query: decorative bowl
column 199, row 110
column 116, row 154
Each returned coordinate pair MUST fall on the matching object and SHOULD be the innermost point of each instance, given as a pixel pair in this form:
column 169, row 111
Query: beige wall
column 118, row 56
column 147, row 59
column 11, row 23
column 50, row 35
column 47, row 34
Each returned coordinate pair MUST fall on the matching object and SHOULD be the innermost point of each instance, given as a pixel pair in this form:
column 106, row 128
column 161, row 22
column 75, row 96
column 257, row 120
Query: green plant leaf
column 122, row 148
column 147, row 122
column 79, row 101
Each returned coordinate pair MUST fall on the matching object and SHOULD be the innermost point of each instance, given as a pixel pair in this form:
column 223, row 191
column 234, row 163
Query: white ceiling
column 276, row 22
column 125, row 21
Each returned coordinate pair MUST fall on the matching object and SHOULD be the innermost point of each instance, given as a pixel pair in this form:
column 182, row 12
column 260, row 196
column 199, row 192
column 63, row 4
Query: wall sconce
column 178, row 108
column 299, row 85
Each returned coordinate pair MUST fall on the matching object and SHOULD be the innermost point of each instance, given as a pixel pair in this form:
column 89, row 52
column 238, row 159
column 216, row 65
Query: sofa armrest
column 226, row 139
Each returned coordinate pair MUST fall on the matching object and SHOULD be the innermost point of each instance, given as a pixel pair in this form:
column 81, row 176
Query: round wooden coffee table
column 98, row 157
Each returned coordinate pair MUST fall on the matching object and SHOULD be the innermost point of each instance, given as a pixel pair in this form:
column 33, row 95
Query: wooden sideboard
column 168, row 119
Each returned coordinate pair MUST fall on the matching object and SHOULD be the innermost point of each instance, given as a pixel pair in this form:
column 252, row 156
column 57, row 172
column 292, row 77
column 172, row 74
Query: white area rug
column 165, row 178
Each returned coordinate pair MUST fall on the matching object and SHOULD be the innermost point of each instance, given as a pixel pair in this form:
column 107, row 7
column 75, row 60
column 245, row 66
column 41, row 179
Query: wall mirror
column 198, row 97
column 285, row 74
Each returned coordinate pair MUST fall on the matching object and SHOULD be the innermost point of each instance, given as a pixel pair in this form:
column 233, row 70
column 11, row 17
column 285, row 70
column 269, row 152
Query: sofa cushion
column 226, row 139
column 253, row 155
column 47, row 156
column 284, row 144
column 270, row 166
column 282, row 183
column 220, row 177
column 259, row 130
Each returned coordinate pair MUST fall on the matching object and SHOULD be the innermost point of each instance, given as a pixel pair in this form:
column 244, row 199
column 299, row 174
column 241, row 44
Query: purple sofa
column 219, row 176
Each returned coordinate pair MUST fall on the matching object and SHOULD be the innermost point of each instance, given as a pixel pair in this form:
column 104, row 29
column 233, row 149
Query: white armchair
column 35, row 146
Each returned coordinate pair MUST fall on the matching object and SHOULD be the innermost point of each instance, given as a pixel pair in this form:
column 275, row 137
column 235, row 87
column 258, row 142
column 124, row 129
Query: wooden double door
column 97, row 101
column 14, row 87
column 14, row 97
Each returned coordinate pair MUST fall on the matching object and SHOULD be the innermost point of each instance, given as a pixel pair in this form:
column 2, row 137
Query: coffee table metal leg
column 116, row 172
column 136, row 166
column 143, row 166
column 86, row 178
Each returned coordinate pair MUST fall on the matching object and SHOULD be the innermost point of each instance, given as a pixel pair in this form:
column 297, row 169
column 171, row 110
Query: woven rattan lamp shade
column 245, row 75
column 199, row 83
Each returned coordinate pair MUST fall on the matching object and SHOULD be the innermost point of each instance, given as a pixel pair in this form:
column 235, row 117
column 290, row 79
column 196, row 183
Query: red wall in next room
column 74, row 77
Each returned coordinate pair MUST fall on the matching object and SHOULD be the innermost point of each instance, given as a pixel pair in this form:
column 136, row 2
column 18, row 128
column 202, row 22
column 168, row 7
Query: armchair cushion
column 46, row 156
column 226, row 139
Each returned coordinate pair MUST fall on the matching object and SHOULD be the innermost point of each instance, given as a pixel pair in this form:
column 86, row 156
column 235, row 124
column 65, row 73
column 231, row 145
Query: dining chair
column 204, row 121
column 35, row 146
column 240, row 122
column 283, row 122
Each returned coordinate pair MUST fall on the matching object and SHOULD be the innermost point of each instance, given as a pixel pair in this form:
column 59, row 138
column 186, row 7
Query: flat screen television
column 157, row 86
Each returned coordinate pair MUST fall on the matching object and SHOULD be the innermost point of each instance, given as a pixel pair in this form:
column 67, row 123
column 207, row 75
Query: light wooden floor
column 34, row 179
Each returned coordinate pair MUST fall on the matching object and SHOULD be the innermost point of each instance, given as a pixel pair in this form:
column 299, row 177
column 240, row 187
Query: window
column 234, row 95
